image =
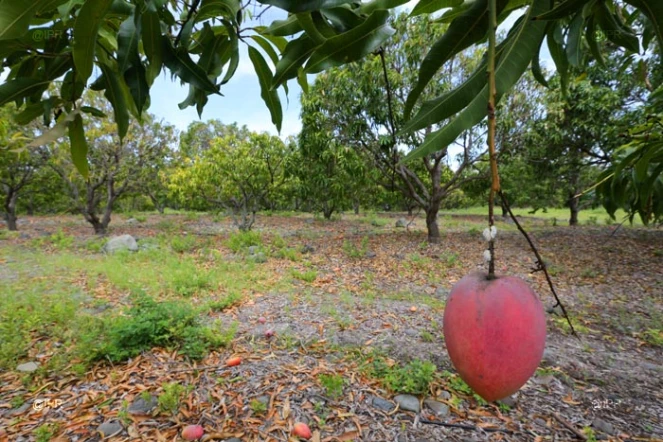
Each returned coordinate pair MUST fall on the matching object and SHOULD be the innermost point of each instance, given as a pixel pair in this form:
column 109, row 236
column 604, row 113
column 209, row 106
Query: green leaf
column 15, row 17
column 151, row 35
column 54, row 133
column 653, row 9
column 217, row 9
column 233, row 54
column 93, row 111
column 115, row 95
column 86, row 29
column 269, row 95
column 79, row 146
column 464, row 31
column 429, row 6
column 563, row 9
column 18, row 88
column 352, row 45
column 574, row 40
column 537, row 72
column 343, row 19
column 296, row 6
column 267, row 47
column 554, row 39
column 301, row 79
column 295, row 54
column 137, row 83
column 590, row 37
column 30, row 112
column 180, row 64
column 284, row 28
column 214, row 55
column 615, row 31
column 306, row 22
column 374, row 5
column 509, row 68
column 127, row 44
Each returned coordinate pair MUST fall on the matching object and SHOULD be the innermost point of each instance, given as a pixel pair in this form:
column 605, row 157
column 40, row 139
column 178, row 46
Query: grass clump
column 333, row 384
column 352, row 251
column 413, row 378
column 307, row 276
column 149, row 324
column 183, row 244
column 169, row 399
column 241, row 240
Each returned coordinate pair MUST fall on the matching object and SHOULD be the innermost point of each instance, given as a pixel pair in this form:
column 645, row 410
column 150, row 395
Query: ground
column 356, row 308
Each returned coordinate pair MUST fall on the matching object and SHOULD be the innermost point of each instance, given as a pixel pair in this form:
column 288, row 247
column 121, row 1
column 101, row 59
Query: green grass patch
column 237, row 241
column 307, row 276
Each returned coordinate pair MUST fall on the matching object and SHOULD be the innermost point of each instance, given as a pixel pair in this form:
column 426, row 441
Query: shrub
column 182, row 244
column 240, row 240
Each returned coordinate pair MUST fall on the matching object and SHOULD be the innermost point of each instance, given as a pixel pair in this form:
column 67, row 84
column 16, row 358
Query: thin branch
column 465, row 426
column 541, row 265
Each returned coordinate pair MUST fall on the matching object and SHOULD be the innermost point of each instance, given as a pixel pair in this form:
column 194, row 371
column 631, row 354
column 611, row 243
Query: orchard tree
column 114, row 165
column 129, row 42
column 361, row 106
column 18, row 166
column 237, row 172
column 159, row 155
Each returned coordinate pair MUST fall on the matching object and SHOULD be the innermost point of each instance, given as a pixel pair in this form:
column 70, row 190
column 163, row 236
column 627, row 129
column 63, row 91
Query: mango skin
column 495, row 332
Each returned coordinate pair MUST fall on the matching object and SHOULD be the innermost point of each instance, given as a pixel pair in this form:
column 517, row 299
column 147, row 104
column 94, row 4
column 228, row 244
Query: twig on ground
column 570, row 426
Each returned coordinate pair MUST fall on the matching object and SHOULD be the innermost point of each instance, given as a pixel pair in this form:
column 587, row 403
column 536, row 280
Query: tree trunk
column 31, row 206
column 355, row 206
column 573, row 206
column 10, row 209
column 505, row 213
column 327, row 210
column 431, row 223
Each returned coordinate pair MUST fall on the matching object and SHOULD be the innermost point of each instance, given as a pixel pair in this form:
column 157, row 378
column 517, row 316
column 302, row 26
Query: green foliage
column 148, row 324
column 307, row 276
column 352, row 251
column 225, row 302
column 45, row 432
column 169, row 399
column 455, row 383
column 413, row 378
column 58, row 240
column 238, row 241
column 188, row 280
column 183, row 244
column 258, row 407
column 653, row 337
column 333, row 385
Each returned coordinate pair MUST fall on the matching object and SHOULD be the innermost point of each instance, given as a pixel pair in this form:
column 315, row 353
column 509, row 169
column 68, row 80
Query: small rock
column 28, row 367
column 544, row 380
column 382, row 404
column 408, row 402
column 309, row 221
column 141, row 406
column 548, row 357
column 109, row 428
column 371, row 254
column 445, row 395
column 412, row 332
column 253, row 250
column 263, row 399
column 233, row 439
column 122, row 242
column 308, row 249
column 260, row 258
column 401, row 222
column 540, row 422
column 436, row 407
column 442, row 292
column 603, row 426
column 132, row 221
column 509, row 401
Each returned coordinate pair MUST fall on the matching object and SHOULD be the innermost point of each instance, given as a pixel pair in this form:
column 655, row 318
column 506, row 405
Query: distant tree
column 115, row 165
column 18, row 166
column 238, row 172
column 359, row 110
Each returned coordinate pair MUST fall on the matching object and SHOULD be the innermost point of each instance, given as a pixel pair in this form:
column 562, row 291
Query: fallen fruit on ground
column 192, row 432
column 233, row 361
column 495, row 332
column 269, row 333
column 301, row 430
column 262, row 320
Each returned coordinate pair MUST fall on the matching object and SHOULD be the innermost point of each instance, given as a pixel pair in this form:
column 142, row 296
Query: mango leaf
column 18, row 88
column 555, row 39
column 215, row 55
column 301, row 79
column 267, row 47
column 30, row 112
column 295, row 54
column 54, row 133
column 232, row 54
column 305, row 20
column 15, row 16
column 151, row 36
column 352, row 45
column 429, row 6
column 574, row 40
column 86, row 29
column 343, row 19
column 464, row 31
column 284, row 28
column 269, row 95
column 93, row 111
column 180, row 64
column 296, row 6
column 449, row 103
column 127, row 44
column 653, row 9
column 563, row 9
column 218, row 8
column 615, row 31
column 590, row 37
column 115, row 95
column 508, row 69
column 78, row 146
column 369, row 7
column 138, row 87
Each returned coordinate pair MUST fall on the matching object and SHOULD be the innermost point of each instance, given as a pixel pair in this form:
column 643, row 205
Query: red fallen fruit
column 495, row 332
column 300, row 429
column 233, row 361
column 192, row 432
column 269, row 333
column 262, row 320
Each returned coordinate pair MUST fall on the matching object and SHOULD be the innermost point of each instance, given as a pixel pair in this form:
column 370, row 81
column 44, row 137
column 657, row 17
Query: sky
column 241, row 100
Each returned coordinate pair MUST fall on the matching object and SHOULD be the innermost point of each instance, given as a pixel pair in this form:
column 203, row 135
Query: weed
column 592, row 221
column 333, row 384
column 188, row 280
column 589, row 273
column 653, row 337
column 352, row 251
column 58, row 240
column 450, row 258
column 589, row 434
column 169, row 399
column 563, row 324
column 238, row 241
column 287, row 253
column 258, row 407
column 454, row 382
column 307, row 276
column 17, row 401
column 140, row 218
column 167, row 225
column 474, row 231
column 183, row 244
column 413, row 378
column 8, row 234
column 45, row 432
column 427, row 336
column 658, row 252
column 192, row 216
column 218, row 305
